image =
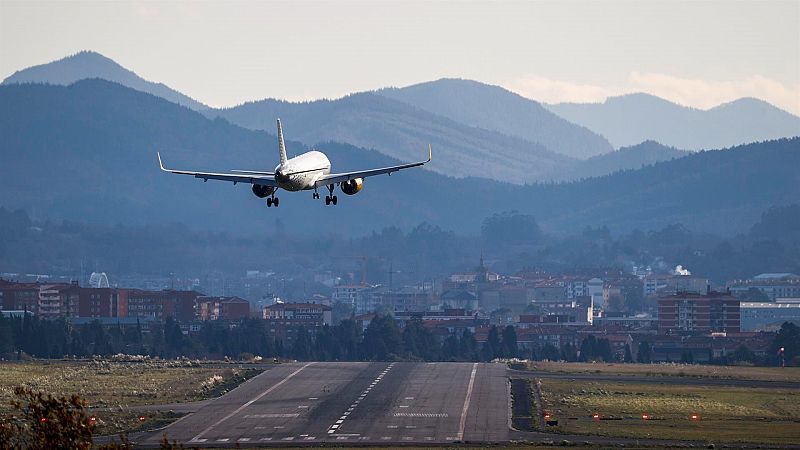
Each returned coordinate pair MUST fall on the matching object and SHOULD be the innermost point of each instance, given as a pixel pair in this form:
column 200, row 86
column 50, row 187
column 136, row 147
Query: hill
column 634, row 157
column 86, row 152
column 403, row 132
column 494, row 108
column 629, row 119
column 88, row 64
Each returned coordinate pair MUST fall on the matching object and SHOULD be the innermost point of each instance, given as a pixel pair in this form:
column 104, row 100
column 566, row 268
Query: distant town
column 596, row 315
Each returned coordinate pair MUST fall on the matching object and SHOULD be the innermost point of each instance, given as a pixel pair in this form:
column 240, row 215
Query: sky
column 697, row 53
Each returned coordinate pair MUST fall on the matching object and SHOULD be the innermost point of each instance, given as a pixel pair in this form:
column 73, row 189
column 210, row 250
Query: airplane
column 304, row 172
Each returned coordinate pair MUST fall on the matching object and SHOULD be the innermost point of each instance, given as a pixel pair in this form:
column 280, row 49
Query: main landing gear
column 272, row 201
column 329, row 198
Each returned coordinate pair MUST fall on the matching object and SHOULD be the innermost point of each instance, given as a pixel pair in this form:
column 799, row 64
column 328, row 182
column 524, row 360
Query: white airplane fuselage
column 302, row 172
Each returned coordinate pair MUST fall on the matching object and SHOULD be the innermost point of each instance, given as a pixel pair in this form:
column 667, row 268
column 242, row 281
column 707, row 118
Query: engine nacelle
column 262, row 191
column 352, row 187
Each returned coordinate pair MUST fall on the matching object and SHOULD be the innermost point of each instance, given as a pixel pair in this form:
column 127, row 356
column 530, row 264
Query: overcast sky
column 697, row 53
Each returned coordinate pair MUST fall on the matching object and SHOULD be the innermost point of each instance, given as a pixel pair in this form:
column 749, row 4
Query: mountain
column 494, row 108
column 626, row 158
column 86, row 152
column 403, row 132
column 629, row 119
column 88, row 64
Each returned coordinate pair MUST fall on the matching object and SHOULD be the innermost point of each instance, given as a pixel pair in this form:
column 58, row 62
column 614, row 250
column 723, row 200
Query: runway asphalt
column 354, row 403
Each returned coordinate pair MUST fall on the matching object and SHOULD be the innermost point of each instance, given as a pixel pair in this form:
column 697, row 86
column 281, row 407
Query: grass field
column 111, row 387
column 725, row 414
column 673, row 369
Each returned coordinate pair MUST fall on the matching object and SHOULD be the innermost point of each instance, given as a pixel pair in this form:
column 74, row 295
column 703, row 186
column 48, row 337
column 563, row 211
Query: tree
column 510, row 227
column 302, row 344
column 788, row 338
column 743, row 355
column 468, row 346
column 510, row 348
column 341, row 311
column 382, row 340
column 588, row 350
column 450, row 348
column 644, row 353
column 173, row 337
column 569, row 352
column 492, row 348
column 550, row 352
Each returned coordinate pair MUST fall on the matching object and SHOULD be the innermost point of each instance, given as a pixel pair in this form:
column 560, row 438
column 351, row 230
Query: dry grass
column 111, row 387
column 726, row 414
column 114, row 384
column 671, row 369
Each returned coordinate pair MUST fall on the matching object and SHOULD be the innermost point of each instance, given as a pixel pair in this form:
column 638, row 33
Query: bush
column 42, row 421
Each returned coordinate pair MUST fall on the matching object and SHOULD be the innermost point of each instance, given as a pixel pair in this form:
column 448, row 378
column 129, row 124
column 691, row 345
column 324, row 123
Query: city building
column 769, row 316
column 350, row 295
column 284, row 319
column 179, row 305
column 19, row 296
column 771, row 286
column 698, row 313
column 222, row 308
column 666, row 284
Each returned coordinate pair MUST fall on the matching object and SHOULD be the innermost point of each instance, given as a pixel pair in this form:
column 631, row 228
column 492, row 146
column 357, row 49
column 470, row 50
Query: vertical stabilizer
column 281, row 145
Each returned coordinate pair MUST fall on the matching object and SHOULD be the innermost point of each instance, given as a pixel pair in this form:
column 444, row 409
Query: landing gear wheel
column 276, row 201
column 315, row 196
column 333, row 199
column 327, row 199
column 269, row 202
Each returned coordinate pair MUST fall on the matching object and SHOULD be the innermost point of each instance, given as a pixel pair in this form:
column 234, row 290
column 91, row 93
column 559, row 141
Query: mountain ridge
column 89, row 64
column 87, row 152
column 495, row 108
column 633, row 118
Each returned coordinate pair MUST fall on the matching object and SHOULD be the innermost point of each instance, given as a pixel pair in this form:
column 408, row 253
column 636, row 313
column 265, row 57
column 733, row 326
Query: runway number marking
column 257, row 398
column 336, row 426
column 463, row 421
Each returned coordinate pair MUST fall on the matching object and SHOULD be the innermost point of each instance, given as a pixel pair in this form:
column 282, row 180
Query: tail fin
column 281, row 145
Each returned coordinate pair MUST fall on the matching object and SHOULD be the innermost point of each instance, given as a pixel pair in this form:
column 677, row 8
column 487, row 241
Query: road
column 354, row 403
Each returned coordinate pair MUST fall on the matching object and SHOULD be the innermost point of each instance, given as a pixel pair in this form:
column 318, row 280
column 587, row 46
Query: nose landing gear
column 273, row 201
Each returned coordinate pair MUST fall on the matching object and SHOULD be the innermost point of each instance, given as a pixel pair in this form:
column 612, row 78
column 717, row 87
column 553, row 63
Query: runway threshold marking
column 468, row 397
column 257, row 398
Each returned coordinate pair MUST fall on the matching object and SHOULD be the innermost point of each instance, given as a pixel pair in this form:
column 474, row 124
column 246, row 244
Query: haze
column 224, row 53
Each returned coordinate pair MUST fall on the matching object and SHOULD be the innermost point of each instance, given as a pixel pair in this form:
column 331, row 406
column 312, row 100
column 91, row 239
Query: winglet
column 430, row 152
column 161, row 164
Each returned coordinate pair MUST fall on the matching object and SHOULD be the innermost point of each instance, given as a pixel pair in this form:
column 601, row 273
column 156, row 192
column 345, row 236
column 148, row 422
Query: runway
column 354, row 403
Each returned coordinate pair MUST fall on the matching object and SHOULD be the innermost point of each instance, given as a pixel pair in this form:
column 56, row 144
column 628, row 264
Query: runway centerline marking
column 258, row 397
column 467, row 398
column 339, row 423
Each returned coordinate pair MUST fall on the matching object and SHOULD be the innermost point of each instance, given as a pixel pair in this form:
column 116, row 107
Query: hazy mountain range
column 88, row 64
column 633, row 118
column 476, row 129
column 401, row 131
column 494, row 108
column 87, row 152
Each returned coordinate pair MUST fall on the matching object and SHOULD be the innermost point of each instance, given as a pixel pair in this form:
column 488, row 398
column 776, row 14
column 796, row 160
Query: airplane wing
column 263, row 178
column 339, row 177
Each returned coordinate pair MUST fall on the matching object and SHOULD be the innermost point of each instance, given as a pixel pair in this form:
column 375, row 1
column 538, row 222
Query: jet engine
column 351, row 187
column 262, row 191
